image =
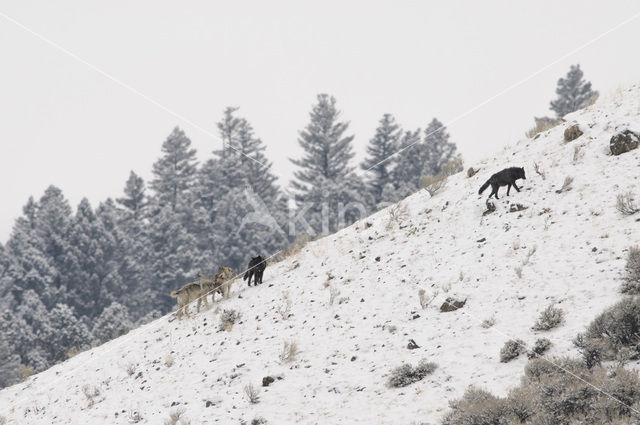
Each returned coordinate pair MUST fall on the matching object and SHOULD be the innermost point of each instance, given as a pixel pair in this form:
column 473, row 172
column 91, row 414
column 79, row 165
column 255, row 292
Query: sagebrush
column 550, row 318
column 407, row 374
column 631, row 277
column 616, row 328
column 228, row 318
column 550, row 393
column 512, row 349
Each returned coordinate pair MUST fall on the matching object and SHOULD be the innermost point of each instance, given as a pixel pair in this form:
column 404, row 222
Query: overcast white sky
column 63, row 123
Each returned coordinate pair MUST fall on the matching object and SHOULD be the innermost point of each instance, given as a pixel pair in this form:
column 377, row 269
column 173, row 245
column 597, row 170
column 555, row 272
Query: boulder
column 267, row 380
column 623, row 141
column 572, row 133
column 452, row 304
column 516, row 207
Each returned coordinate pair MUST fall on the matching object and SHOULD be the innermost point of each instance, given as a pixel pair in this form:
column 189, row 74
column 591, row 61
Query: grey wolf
column 217, row 281
column 200, row 289
column 255, row 269
column 506, row 177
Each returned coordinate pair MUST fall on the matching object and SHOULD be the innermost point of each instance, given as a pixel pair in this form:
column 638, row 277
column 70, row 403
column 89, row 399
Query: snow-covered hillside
column 568, row 249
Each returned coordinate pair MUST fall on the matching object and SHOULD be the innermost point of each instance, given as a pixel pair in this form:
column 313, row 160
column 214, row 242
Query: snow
column 349, row 347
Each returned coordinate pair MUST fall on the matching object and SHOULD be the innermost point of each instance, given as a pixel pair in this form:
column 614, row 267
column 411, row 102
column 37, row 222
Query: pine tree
column 9, row 364
column 438, row 150
column 173, row 257
column 63, row 333
column 234, row 188
column 174, row 173
column 125, row 256
column 379, row 162
column 410, row 162
column 573, row 93
column 134, row 200
column 325, row 182
column 326, row 151
column 53, row 217
column 242, row 161
column 112, row 323
column 29, row 266
column 90, row 274
column 21, row 336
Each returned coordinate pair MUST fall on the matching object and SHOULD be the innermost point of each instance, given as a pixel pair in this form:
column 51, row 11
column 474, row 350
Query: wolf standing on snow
column 199, row 290
column 506, row 177
column 255, row 268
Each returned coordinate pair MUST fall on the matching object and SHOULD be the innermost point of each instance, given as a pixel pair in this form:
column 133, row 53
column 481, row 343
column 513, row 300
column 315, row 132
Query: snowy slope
column 349, row 347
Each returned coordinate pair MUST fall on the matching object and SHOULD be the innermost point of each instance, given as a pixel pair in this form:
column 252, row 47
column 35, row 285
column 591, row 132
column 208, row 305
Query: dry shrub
column 487, row 323
column 560, row 391
column 407, row 374
column 333, row 293
column 294, row 247
column 228, row 318
column 539, row 348
column 542, row 124
column 253, row 394
column 289, row 352
column 91, row 393
column 567, row 185
column 512, row 349
column 397, row 214
column 284, row 310
column 625, row 203
column 169, row 360
column 549, row 319
column 616, row 328
column 433, row 184
column 26, row 372
column 176, row 417
column 426, row 300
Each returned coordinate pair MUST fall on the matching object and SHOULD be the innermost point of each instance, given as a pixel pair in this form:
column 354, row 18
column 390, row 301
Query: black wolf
column 506, row 177
column 255, row 268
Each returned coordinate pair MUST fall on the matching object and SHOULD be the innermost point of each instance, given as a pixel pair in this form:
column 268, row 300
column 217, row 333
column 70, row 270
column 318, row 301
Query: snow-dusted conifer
column 134, row 200
column 63, row 333
column 410, row 162
column 112, row 322
column 174, row 173
column 379, row 161
column 438, row 149
column 325, row 179
column 9, row 364
column 573, row 93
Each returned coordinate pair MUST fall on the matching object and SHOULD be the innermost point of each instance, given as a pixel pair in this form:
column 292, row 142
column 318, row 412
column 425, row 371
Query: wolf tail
column 174, row 294
column 484, row 186
column 246, row 275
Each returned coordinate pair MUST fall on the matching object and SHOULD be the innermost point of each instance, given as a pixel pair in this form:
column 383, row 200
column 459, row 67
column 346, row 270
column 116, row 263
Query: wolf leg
column 517, row 188
column 508, row 188
column 494, row 191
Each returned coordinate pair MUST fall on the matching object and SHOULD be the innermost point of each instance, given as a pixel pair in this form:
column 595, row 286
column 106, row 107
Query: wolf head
column 224, row 273
column 256, row 259
column 521, row 173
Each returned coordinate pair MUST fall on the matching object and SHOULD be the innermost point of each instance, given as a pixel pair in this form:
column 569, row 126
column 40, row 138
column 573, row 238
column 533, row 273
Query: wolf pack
column 220, row 283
